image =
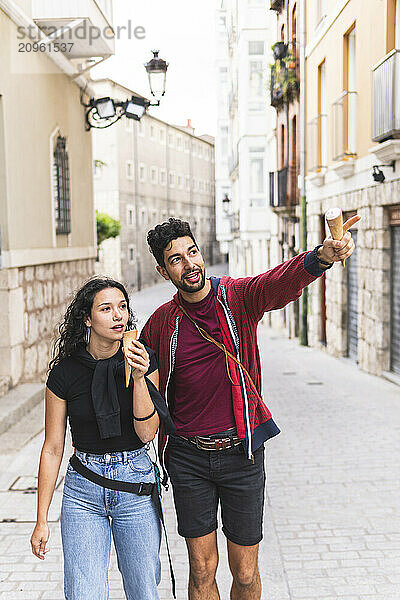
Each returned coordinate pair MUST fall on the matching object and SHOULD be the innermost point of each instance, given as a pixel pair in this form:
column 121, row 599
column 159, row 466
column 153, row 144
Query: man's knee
column 203, row 569
column 245, row 575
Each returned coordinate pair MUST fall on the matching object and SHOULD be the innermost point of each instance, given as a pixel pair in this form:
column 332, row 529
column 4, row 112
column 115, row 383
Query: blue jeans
column 91, row 513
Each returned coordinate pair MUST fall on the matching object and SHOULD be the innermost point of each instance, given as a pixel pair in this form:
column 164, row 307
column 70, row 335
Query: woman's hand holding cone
column 137, row 358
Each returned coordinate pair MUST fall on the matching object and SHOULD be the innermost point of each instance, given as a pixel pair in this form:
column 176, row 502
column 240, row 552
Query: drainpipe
column 303, row 201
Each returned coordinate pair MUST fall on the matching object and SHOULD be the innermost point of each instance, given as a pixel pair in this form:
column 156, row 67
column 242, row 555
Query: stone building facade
column 150, row 171
column 47, row 224
column 353, row 124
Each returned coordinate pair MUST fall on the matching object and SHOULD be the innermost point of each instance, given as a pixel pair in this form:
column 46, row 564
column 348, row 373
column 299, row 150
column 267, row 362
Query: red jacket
column 240, row 305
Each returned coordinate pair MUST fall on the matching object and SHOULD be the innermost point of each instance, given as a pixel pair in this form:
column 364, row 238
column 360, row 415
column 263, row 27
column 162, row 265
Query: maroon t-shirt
column 203, row 392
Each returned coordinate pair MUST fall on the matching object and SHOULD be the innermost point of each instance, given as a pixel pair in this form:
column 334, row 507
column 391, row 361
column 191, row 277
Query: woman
column 110, row 425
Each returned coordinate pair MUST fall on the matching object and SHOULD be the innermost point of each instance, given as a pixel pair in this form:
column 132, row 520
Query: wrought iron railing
column 386, row 98
column 282, row 186
column 344, row 125
column 272, row 188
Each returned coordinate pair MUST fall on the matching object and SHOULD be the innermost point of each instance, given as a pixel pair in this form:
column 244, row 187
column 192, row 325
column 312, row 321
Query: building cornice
column 38, row 256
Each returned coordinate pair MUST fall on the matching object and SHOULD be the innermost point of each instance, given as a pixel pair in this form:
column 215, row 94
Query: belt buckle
column 197, row 441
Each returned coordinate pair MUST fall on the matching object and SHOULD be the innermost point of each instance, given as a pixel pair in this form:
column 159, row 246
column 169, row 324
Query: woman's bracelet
column 144, row 418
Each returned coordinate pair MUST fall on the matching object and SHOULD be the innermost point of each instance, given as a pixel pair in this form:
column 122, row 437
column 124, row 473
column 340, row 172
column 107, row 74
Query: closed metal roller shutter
column 395, row 301
column 352, row 302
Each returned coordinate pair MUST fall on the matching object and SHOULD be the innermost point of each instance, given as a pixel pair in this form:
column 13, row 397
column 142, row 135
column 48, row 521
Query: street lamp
column 104, row 112
column 226, row 201
column 157, row 73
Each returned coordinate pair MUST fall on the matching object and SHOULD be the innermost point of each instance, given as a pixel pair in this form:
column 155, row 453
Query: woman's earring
column 87, row 336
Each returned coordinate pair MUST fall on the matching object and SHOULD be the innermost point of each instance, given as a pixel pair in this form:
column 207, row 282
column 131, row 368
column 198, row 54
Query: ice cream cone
column 127, row 338
column 334, row 218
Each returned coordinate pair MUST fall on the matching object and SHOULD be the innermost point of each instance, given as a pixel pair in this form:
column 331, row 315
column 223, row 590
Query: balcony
column 84, row 25
column 344, row 115
column 285, row 79
column 276, row 5
column 386, row 98
column 287, row 195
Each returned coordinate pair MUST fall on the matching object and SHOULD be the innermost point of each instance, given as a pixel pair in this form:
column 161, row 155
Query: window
column 162, row 136
column 194, row 184
column 129, row 169
column 129, row 125
column 141, row 128
column 61, row 187
column 179, row 181
column 256, row 48
column 171, row 178
column 163, row 176
column 256, row 78
column 152, row 132
column 222, row 23
column 170, row 140
column 130, row 215
column 131, row 254
column 322, row 116
column 200, row 151
column 350, row 42
column 179, row 142
column 186, row 145
column 153, row 175
column 201, row 186
column 294, row 26
column 142, row 173
column 257, row 179
column 188, row 184
column 223, row 75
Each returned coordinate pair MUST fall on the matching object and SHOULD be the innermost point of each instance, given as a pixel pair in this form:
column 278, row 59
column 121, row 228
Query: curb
column 18, row 402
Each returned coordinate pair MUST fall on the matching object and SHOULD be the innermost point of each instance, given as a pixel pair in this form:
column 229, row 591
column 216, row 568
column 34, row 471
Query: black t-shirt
column 71, row 380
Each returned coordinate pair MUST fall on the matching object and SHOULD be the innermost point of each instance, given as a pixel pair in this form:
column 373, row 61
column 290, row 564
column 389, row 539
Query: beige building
column 46, row 199
column 353, row 122
column 147, row 171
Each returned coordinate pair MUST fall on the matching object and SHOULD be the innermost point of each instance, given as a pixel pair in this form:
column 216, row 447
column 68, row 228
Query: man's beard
column 191, row 288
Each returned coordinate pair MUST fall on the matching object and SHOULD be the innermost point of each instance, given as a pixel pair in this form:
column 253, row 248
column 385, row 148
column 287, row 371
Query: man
column 206, row 342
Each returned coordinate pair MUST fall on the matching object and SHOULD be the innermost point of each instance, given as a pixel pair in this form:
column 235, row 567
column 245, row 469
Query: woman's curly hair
column 72, row 330
column 162, row 235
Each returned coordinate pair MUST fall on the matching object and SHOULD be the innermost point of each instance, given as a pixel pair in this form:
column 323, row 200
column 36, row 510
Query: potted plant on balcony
column 279, row 50
column 276, row 85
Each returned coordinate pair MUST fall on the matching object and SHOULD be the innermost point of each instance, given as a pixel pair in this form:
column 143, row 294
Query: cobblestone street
column 332, row 521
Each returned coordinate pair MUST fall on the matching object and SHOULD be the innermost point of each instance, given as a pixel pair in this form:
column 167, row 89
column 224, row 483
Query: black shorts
column 202, row 478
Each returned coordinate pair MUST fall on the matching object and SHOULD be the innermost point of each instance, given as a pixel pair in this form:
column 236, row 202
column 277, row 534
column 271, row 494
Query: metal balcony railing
column 293, row 197
column 386, row 98
column 344, row 121
column 317, row 154
column 282, row 186
column 272, row 188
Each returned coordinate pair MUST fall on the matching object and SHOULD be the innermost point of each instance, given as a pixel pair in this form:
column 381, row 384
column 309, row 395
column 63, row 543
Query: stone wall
column 373, row 278
column 35, row 299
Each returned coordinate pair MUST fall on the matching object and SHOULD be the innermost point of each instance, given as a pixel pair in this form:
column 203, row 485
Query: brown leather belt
column 211, row 443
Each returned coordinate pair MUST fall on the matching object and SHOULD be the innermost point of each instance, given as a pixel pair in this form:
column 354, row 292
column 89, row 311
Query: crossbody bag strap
column 204, row 334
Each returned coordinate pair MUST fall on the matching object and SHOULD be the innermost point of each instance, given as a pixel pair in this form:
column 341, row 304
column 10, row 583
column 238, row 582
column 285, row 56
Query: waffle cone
column 334, row 218
column 126, row 340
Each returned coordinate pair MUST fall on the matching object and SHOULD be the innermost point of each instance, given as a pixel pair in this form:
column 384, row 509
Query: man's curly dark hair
column 72, row 330
column 162, row 235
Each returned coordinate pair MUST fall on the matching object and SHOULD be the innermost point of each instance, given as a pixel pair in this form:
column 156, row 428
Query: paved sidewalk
column 332, row 522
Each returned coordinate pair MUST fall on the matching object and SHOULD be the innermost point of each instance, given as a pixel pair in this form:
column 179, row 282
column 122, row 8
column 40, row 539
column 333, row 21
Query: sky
column 184, row 33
